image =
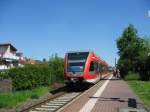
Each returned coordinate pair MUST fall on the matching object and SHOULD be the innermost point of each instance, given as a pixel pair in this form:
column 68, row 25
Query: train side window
column 103, row 68
column 100, row 68
column 91, row 68
column 94, row 68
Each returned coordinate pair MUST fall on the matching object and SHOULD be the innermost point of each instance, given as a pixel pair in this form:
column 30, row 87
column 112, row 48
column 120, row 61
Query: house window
column 2, row 49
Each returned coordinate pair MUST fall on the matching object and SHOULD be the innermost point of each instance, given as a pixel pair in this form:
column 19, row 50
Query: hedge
column 32, row 76
column 29, row 76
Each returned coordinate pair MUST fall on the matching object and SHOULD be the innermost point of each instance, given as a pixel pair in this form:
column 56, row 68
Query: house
column 8, row 57
column 20, row 55
column 32, row 61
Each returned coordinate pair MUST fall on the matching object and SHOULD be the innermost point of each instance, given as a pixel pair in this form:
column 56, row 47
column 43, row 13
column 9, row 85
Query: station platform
column 108, row 95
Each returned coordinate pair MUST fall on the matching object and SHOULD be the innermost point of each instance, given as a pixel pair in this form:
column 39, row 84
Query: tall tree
column 145, row 54
column 132, row 50
column 127, row 46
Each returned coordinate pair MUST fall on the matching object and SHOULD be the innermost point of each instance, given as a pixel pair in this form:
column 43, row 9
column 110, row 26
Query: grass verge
column 142, row 89
column 12, row 99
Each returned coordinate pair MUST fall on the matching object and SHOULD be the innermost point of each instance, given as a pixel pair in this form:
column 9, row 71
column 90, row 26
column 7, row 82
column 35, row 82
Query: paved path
column 108, row 95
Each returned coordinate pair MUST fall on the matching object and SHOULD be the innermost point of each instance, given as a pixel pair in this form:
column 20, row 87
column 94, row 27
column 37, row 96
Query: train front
column 74, row 67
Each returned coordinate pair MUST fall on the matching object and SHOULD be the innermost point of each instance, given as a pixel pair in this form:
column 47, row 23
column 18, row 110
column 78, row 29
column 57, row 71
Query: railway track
column 56, row 104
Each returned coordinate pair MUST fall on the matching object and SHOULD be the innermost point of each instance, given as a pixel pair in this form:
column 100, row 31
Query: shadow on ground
column 130, row 101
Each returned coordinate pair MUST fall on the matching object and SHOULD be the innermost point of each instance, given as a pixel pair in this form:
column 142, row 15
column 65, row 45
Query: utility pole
column 115, row 63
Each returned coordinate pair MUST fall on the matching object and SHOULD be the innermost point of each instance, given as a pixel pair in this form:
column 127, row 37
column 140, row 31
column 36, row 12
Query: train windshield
column 76, row 61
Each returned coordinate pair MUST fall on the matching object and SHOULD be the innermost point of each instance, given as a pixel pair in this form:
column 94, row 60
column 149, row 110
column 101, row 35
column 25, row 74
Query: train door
column 94, row 70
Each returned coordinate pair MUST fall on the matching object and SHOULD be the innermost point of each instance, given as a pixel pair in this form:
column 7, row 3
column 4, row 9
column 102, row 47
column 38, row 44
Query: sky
column 40, row 28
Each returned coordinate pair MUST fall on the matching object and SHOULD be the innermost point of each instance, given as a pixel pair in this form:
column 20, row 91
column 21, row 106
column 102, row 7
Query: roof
column 8, row 44
column 30, row 61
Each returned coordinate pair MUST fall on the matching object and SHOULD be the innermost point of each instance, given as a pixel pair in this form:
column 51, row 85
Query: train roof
column 79, row 51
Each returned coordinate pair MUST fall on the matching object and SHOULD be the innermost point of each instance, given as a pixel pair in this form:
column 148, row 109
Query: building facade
column 8, row 56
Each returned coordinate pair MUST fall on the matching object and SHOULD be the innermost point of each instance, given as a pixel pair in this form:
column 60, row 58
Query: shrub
column 32, row 76
column 3, row 75
column 132, row 76
column 56, row 65
column 29, row 76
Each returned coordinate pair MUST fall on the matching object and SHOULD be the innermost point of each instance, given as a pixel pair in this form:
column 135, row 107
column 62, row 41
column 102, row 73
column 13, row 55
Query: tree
column 44, row 60
column 126, row 40
column 56, row 65
column 146, row 71
column 127, row 46
column 133, row 52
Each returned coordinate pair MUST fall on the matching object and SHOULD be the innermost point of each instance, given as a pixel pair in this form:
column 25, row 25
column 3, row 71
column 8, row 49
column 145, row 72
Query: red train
column 83, row 67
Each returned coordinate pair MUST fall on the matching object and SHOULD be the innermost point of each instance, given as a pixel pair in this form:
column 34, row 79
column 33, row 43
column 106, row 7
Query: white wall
column 9, row 55
column 3, row 67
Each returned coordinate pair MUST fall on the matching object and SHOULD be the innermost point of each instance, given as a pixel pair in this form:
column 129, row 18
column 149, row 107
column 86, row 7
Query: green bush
column 56, row 65
column 29, row 76
column 4, row 75
column 132, row 76
column 32, row 76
